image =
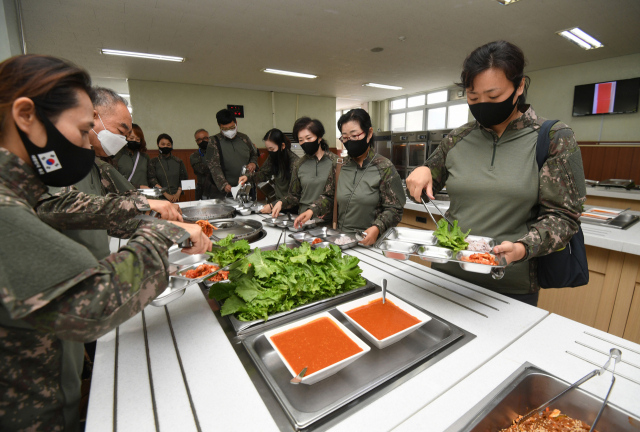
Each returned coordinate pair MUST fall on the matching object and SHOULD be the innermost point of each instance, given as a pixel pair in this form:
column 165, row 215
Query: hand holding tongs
column 615, row 355
column 429, row 211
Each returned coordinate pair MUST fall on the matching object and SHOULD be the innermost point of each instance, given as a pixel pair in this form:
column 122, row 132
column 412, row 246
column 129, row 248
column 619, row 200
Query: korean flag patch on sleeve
column 49, row 161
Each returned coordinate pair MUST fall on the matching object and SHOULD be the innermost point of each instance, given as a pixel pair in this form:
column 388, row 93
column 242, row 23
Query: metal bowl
column 207, row 212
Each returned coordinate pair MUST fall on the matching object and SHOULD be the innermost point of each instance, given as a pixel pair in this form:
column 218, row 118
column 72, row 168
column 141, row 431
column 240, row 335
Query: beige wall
column 181, row 109
column 551, row 94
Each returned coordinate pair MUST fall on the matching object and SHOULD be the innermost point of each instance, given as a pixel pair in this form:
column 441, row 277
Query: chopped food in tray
column 316, row 241
column 229, row 252
column 454, row 239
column 220, row 276
column 546, row 421
column 343, row 240
column 200, row 271
column 315, row 345
column 268, row 282
column 479, row 245
column 480, row 258
column 207, row 228
column 382, row 320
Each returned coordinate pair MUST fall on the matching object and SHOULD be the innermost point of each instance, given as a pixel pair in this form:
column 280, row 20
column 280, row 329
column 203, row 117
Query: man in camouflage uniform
column 63, row 297
column 90, row 210
column 228, row 152
column 370, row 195
column 539, row 209
column 205, row 186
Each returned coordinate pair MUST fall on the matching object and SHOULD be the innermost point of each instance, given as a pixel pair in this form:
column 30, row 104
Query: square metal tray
column 528, row 388
column 305, row 405
column 354, row 243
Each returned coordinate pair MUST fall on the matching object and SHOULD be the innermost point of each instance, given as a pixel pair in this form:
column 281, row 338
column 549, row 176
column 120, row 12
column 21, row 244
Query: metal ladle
column 384, row 291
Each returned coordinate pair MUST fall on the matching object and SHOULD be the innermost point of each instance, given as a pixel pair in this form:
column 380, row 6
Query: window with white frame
column 428, row 111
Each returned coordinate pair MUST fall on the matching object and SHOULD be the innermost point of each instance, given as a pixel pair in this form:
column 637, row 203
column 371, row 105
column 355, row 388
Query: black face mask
column 134, row 145
column 203, row 144
column 59, row 163
column 311, row 147
column 493, row 113
column 357, row 148
column 166, row 150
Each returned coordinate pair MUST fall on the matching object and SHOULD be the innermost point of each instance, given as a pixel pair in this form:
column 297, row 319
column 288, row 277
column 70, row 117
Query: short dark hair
column 499, row 54
column 164, row 136
column 200, row 130
column 224, row 116
column 357, row 115
column 314, row 126
column 138, row 131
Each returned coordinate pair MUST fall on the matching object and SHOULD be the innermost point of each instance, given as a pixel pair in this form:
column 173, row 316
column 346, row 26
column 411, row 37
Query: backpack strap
column 339, row 164
column 543, row 143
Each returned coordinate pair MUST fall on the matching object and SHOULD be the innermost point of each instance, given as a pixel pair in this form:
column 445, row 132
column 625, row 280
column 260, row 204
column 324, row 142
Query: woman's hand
column 143, row 187
column 300, row 220
column 166, row 210
column 242, row 180
column 420, row 179
column 512, row 251
column 168, row 196
column 266, row 209
column 201, row 242
column 158, row 186
column 276, row 209
column 251, row 167
column 371, row 237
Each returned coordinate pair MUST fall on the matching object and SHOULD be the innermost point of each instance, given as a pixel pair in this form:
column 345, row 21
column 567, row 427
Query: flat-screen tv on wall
column 613, row 97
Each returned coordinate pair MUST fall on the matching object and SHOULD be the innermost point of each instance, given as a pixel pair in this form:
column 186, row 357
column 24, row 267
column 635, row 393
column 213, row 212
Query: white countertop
column 627, row 241
column 547, row 346
column 193, row 376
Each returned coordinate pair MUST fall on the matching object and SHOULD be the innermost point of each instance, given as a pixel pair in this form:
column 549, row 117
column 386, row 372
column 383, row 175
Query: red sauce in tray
column 382, row 320
column 315, row 345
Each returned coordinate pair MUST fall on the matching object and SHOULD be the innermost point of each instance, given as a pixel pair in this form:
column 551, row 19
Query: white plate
column 329, row 370
column 394, row 337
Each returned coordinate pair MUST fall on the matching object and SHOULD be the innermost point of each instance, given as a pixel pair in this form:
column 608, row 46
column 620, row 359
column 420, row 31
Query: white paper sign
column 188, row 185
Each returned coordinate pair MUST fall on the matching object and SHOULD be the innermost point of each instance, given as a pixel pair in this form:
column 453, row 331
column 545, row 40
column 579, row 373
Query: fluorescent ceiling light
column 383, row 86
column 141, row 55
column 507, row 2
column 580, row 38
column 293, row 74
column 124, row 95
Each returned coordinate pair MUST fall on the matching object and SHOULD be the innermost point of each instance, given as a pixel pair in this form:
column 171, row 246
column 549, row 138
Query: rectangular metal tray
column 332, row 240
column 622, row 221
column 323, row 232
column 305, row 405
column 529, row 387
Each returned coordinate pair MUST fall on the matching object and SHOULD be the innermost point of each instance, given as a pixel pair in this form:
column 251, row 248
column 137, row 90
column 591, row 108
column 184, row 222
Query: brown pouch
column 339, row 164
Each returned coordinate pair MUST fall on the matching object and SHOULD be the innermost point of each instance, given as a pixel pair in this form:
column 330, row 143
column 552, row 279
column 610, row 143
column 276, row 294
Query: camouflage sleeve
column 101, row 298
column 212, row 159
column 68, row 208
column 561, row 195
column 295, row 187
column 152, row 177
column 392, row 198
column 198, row 165
column 263, row 174
column 436, row 163
column 112, row 180
column 183, row 172
column 323, row 205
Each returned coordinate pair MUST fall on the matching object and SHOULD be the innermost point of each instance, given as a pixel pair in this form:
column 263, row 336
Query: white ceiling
column 227, row 43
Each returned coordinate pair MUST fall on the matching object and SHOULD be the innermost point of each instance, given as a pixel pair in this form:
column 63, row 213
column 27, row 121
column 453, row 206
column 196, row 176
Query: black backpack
column 566, row 267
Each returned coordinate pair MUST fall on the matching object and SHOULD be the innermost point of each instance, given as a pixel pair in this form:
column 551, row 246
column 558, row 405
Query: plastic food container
column 383, row 343
column 329, row 370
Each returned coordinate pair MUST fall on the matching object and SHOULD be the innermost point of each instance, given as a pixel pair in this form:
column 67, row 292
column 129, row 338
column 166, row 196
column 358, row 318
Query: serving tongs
column 437, row 208
column 615, row 355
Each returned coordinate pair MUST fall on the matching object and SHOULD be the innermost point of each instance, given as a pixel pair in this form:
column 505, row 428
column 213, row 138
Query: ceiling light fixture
column 141, row 55
column 580, row 38
column 507, row 2
column 383, row 86
column 293, row 74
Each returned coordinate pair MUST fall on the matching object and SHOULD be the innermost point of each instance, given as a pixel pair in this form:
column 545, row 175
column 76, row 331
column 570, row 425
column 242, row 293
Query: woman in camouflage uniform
column 490, row 170
column 54, row 294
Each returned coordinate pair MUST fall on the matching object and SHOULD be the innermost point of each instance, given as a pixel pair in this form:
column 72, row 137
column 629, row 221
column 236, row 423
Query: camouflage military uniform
column 281, row 184
column 371, row 195
column 167, row 171
column 54, row 295
column 309, row 181
column 205, row 185
column 103, row 203
column 497, row 191
column 237, row 152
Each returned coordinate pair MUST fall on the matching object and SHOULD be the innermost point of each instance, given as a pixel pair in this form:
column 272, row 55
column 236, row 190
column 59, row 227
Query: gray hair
column 107, row 98
column 200, row 130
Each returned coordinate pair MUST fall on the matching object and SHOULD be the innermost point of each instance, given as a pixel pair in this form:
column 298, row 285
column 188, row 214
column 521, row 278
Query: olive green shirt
column 126, row 159
column 167, row 171
column 308, row 180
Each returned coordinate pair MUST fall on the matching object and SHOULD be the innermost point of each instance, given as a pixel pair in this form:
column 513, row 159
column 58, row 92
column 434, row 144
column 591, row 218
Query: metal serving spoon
column 384, row 291
column 298, row 378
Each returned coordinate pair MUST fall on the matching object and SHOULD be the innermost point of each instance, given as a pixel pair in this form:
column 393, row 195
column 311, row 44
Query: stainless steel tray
column 305, row 405
column 323, row 232
column 529, row 387
column 622, row 221
column 175, row 290
column 242, row 229
column 332, row 240
column 153, row 192
column 207, row 212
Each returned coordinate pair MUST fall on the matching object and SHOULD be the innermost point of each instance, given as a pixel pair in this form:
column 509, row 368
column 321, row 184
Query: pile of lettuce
column 268, row 282
column 230, row 251
column 454, row 239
